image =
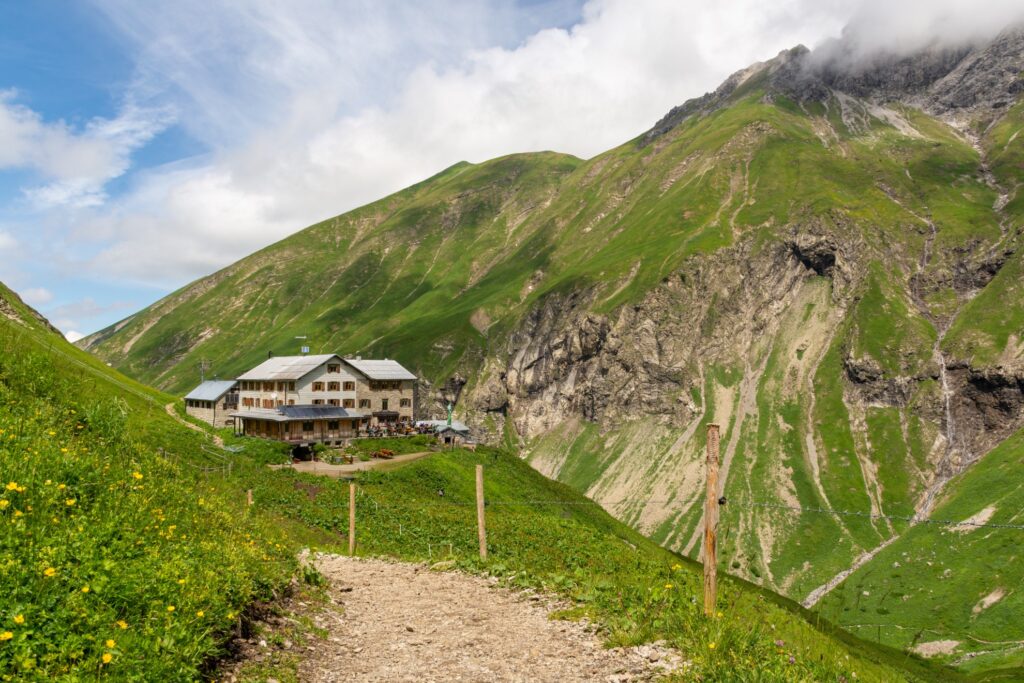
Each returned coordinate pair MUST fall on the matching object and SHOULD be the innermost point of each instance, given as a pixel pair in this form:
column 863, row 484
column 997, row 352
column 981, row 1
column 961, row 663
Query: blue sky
column 145, row 144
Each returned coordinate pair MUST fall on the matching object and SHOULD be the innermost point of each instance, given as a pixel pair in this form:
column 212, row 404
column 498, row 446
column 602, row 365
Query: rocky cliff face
column 611, row 400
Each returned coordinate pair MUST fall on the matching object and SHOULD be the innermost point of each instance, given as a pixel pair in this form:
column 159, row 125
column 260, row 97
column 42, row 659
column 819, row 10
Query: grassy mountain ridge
column 832, row 277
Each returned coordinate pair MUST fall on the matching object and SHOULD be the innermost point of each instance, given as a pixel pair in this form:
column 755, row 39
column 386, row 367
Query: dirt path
column 405, row 622
column 336, row 471
column 173, row 413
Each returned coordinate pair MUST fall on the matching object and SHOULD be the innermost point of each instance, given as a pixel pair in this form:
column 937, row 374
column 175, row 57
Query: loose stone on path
column 404, row 622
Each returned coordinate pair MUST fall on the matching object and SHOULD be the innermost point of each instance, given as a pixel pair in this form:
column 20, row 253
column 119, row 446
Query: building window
column 333, row 402
column 268, row 386
column 318, row 401
column 318, row 386
column 291, row 386
column 405, row 402
column 333, row 367
column 334, row 386
column 307, row 426
column 332, row 425
column 383, row 404
column 364, row 403
column 350, row 386
column 267, row 403
column 349, row 403
column 291, row 401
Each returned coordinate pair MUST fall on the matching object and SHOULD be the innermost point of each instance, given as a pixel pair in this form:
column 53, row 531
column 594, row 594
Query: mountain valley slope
column 823, row 259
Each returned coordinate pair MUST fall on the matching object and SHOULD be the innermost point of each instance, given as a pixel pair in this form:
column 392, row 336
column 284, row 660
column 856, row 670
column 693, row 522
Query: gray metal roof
column 287, row 367
column 295, row 413
column 211, row 390
column 306, row 412
column 380, row 369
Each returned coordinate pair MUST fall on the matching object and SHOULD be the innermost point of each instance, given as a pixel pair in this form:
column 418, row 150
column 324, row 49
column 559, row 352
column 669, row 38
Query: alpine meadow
column 824, row 256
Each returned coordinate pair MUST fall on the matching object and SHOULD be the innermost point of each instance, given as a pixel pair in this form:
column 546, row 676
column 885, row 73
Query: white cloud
column 313, row 108
column 36, row 296
column 75, row 165
column 73, row 335
column 7, row 241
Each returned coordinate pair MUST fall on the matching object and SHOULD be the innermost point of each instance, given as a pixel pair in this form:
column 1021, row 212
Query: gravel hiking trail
column 407, row 622
column 219, row 442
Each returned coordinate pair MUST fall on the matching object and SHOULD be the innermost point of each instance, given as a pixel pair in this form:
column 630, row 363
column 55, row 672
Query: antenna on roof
column 204, row 365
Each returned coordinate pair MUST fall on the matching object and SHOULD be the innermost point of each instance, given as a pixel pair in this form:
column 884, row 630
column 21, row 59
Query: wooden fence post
column 352, row 518
column 711, row 524
column 248, row 497
column 480, row 521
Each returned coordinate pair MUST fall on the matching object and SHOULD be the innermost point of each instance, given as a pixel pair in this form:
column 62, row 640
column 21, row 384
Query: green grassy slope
column 119, row 555
column 543, row 534
column 952, row 583
column 128, row 551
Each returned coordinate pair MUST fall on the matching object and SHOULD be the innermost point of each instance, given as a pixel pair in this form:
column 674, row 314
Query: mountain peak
column 967, row 80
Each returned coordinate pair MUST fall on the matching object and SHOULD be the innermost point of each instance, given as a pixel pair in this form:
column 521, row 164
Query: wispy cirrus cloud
column 71, row 165
column 307, row 109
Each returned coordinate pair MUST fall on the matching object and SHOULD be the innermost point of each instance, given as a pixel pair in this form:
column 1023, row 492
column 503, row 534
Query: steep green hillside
column 828, row 265
column 120, row 555
column 959, row 584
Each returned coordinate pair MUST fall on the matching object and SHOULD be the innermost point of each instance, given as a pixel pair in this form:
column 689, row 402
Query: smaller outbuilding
column 452, row 434
column 213, row 401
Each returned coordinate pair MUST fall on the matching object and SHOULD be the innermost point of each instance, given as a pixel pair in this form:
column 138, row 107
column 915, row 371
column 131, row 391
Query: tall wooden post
column 352, row 518
column 480, row 520
column 248, row 497
column 711, row 524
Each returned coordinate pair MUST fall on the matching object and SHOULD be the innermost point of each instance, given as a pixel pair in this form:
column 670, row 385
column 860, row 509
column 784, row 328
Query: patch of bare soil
column 406, row 622
column 936, row 648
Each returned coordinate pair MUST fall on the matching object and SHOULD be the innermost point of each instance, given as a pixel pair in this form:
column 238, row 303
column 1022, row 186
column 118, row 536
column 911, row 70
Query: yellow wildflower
column 170, row 608
column 63, row 450
column 61, row 486
column 12, row 486
column 4, row 503
column 122, row 624
column 107, row 657
column 52, row 433
column 69, row 502
column 720, row 615
column 85, row 589
column 137, row 475
column 19, row 619
column 181, row 582
column 676, row 567
column 200, row 613
column 50, row 571
column 668, row 586
column 711, row 646
column 111, row 644
column 18, row 513
column 6, row 635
